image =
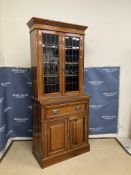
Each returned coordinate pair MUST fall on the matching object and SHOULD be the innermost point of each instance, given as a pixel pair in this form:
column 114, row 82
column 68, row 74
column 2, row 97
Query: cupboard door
column 56, row 136
column 51, row 49
column 77, row 130
column 73, row 63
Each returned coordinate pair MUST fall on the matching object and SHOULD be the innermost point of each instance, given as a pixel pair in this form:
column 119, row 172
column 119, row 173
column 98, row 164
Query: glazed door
column 77, row 130
column 62, row 68
column 51, row 58
column 56, row 136
column 73, row 64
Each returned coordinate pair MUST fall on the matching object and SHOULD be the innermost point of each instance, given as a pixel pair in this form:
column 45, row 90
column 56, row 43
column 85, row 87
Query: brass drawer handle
column 78, row 107
column 55, row 111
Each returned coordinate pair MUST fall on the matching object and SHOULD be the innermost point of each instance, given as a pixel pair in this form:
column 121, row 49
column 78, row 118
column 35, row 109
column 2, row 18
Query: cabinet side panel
column 37, row 130
column 87, row 122
column 33, row 43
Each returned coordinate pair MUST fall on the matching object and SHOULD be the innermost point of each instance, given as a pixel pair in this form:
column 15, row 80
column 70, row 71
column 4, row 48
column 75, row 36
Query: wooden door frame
column 40, row 76
column 81, row 65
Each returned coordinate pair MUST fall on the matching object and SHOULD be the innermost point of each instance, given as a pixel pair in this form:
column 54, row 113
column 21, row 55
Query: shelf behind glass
column 70, row 63
column 51, row 75
column 51, row 63
column 72, row 47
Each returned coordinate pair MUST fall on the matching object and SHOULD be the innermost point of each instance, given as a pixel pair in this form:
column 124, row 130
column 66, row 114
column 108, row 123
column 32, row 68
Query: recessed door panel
column 78, row 130
column 57, row 136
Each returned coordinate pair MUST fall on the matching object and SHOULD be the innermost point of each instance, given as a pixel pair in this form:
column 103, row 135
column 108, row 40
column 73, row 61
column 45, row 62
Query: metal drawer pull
column 55, row 111
column 78, row 107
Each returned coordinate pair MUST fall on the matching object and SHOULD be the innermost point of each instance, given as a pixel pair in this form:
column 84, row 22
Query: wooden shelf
column 51, row 62
column 70, row 75
column 51, row 75
column 73, row 48
column 71, row 63
column 52, row 47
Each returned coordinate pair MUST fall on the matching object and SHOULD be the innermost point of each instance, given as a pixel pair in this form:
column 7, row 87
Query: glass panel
column 72, row 46
column 51, row 63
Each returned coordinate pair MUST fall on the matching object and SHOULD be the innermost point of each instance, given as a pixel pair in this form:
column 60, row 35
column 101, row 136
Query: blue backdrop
column 16, row 106
column 103, row 85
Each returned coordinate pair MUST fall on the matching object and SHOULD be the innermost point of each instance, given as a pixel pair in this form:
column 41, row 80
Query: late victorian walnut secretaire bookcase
column 60, row 108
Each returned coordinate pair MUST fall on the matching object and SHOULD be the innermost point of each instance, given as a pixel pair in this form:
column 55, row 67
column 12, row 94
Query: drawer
column 59, row 110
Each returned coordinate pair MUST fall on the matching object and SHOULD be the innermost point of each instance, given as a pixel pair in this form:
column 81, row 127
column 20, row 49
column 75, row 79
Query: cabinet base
column 61, row 157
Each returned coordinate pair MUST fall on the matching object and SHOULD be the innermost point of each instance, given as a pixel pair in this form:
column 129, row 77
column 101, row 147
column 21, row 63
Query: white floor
column 126, row 143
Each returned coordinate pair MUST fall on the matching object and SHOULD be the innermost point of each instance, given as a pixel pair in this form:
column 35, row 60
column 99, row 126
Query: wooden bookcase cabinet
column 60, row 109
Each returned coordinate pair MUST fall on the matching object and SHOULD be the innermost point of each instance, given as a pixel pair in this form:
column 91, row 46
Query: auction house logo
column 30, row 107
column 109, row 94
column 30, row 130
column 29, row 83
column 96, row 129
column 96, row 106
column 110, row 69
column 4, row 84
column 19, row 119
column 20, row 95
column 109, row 117
column 19, row 70
column 96, row 83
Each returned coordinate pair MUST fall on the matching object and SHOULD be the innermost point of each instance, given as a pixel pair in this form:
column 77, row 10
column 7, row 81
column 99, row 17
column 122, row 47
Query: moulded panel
column 77, row 129
column 57, row 136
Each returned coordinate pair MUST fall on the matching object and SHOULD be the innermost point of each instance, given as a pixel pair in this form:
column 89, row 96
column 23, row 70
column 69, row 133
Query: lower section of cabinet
column 60, row 157
column 60, row 130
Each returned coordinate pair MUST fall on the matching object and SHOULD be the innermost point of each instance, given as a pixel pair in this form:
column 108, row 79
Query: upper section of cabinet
column 38, row 23
column 57, row 58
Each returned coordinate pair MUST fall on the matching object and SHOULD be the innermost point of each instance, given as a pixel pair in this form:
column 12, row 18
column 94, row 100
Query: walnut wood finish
column 60, row 119
column 57, row 137
column 38, row 23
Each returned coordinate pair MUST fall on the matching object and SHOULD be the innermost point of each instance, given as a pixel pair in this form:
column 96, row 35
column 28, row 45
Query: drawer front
column 59, row 110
